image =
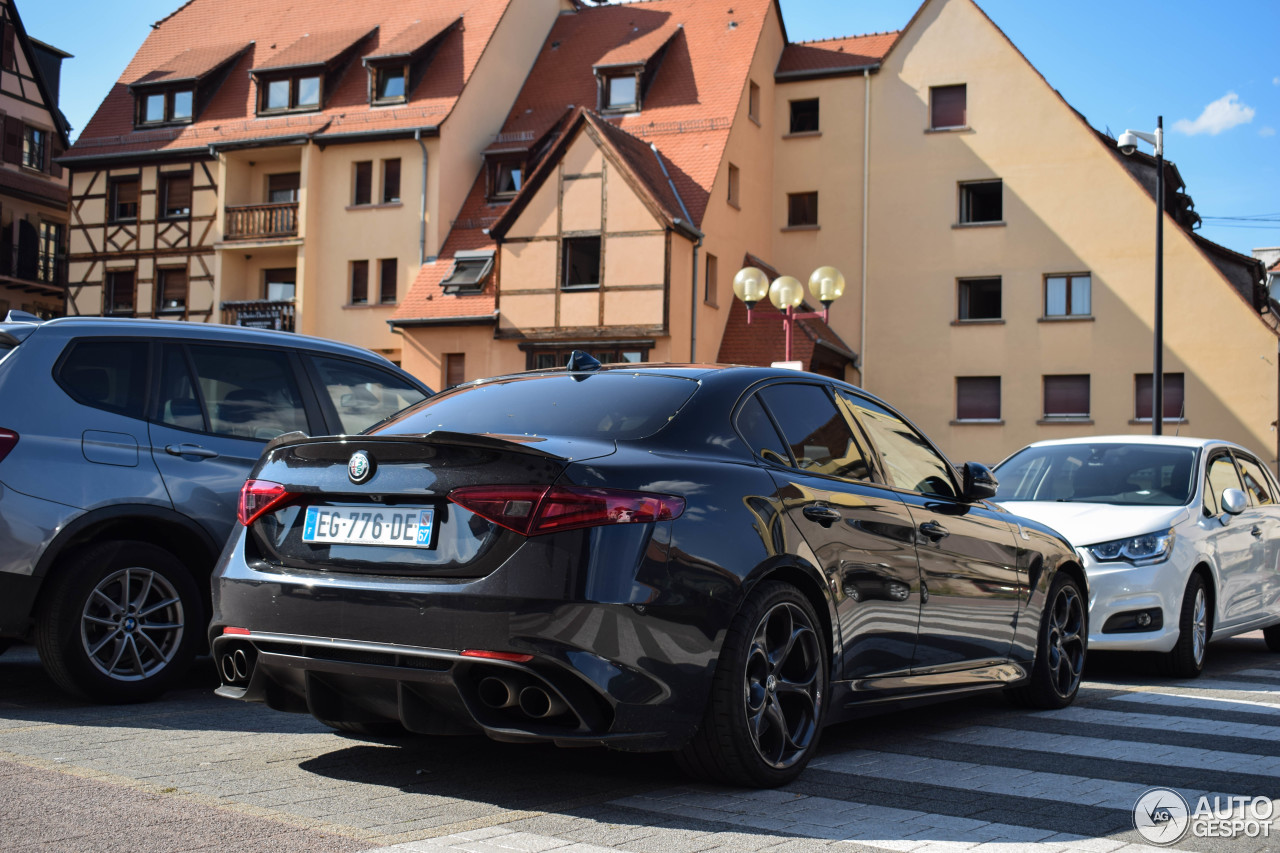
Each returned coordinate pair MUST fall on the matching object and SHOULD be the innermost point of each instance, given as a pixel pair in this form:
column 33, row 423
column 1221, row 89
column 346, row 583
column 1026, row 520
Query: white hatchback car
column 1180, row 537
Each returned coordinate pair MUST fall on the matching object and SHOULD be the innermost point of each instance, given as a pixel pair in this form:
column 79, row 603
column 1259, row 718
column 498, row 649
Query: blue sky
column 1211, row 69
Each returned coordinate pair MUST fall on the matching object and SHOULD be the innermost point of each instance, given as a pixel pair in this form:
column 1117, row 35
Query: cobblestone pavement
column 196, row 772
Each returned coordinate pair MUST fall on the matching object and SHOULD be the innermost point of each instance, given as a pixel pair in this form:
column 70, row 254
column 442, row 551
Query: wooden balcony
column 262, row 221
column 260, row 314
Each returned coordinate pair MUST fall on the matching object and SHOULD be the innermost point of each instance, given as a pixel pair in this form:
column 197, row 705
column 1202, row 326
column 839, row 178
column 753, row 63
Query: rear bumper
column 362, row 649
column 27, row 526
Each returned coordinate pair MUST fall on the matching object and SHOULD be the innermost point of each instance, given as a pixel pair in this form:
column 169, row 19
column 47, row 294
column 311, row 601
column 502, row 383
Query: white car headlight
column 1140, row 550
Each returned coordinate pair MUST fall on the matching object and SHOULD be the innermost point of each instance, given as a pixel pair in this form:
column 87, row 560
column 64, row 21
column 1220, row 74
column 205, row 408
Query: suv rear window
column 604, row 405
column 109, row 375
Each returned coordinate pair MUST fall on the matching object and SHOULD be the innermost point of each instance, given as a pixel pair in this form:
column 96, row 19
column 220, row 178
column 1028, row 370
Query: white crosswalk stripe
column 1113, row 750
column 1161, row 722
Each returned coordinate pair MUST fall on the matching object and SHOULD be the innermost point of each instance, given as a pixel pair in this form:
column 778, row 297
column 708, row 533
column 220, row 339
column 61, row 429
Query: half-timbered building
column 33, row 187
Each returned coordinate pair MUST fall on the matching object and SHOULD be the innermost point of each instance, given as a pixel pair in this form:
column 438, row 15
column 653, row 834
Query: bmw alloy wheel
column 132, row 624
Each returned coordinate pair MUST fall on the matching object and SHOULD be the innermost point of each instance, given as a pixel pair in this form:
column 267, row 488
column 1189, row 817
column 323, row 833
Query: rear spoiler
column 484, row 441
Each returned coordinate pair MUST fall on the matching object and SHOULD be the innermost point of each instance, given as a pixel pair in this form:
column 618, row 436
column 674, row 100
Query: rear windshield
column 615, row 406
column 1128, row 474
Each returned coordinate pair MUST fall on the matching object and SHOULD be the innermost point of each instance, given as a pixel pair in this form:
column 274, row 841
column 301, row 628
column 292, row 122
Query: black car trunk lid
column 379, row 504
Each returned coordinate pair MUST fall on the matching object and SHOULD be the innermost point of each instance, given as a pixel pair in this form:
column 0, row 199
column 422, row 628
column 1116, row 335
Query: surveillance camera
column 1127, row 143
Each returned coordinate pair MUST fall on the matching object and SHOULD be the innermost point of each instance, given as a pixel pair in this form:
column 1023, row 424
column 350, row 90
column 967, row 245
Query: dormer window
column 390, row 84
column 625, row 73
column 286, row 94
column 506, row 177
column 470, row 270
column 398, row 62
column 300, row 77
column 620, row 92
column 175, row 90
column 165, row 107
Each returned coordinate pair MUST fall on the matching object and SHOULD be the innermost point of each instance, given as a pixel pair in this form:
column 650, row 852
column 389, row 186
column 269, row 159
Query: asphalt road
column 195, row 772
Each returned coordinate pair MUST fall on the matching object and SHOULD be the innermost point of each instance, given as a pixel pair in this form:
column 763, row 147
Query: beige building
column 33, row 188
column 595, row 175
column 1003, row 303
column 266, row 163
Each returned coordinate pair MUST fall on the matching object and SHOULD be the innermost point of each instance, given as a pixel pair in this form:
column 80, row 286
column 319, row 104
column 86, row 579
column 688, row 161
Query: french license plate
column 404, row 527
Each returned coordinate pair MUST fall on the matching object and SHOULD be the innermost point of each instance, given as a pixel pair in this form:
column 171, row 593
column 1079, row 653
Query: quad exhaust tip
column 533, row 701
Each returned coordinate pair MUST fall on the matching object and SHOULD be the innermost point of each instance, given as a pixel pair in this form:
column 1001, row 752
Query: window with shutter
column 1066, row 397
column 13, row 128
column 363, row 183
column 978, row 398
column 947, row 107
column 1174, row 402
column 176, row 194
column 359, row 282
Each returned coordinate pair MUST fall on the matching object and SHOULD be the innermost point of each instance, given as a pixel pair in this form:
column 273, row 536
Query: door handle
column 934, row 531
column 823, row 514
column 190, row 450
column 1256, row 531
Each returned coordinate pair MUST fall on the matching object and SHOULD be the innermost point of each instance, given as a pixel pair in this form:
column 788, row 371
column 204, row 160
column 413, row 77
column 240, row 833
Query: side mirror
column 979, row 483
column 1234, row 501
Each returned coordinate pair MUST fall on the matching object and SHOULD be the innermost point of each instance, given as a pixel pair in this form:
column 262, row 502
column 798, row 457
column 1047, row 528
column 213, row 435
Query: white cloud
column 1276, row 80
column 1223, row 114
column 1267, row 131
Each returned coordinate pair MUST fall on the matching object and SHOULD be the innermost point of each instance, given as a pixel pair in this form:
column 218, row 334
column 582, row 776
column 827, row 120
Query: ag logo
column 1161, row 816
column 360, row 468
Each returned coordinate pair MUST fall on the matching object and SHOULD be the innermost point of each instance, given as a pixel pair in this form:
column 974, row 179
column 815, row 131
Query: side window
column 1221, row 476
column 909, row 461
column 108, row 375
column 179, row 403
column 819, row 436
column 250, row 393
column 755, row 426
column 363, row 394
column 1256, row 482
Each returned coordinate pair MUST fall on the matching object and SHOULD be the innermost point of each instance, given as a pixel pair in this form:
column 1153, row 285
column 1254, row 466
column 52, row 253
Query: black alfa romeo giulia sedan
column 711, row 560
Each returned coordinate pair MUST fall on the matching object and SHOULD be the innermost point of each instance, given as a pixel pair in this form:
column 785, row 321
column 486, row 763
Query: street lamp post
column 751, row 285
column 1128, row 143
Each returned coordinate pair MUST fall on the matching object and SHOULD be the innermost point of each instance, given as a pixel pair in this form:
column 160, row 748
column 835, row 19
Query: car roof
column 147, row 327
column 1154, row 440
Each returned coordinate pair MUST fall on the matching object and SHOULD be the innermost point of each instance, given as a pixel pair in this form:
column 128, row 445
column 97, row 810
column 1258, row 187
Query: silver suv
column 123, row 447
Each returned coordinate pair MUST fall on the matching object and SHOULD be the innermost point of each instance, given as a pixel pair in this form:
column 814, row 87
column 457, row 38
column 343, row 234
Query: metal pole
column 1157, row 372
column 786, row 322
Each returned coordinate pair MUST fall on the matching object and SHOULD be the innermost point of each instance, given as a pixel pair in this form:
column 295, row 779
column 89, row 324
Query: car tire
column 1186, row 658
column 1271, row 634
column 1061, row 648
column 120, row 622
column 752, row 732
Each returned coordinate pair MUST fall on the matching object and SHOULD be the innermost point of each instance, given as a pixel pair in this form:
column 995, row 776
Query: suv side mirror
column 979, row 483
column 1234, row 501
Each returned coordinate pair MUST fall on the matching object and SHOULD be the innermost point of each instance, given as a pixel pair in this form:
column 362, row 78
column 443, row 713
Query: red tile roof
column 835, row 54
column 1275, row 267
column 316, row 48
column 274, row 27
column 191, row 64
column 691, row 103
column 640, row 49
column 764, row 341
column 413, row 37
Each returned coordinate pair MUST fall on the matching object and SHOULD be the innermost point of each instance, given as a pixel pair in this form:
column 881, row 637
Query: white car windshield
column 1125, row 474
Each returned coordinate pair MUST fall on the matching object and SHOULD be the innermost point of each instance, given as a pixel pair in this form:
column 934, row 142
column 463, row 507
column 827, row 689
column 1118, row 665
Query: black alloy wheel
column 764, row 716
column 1061, row 648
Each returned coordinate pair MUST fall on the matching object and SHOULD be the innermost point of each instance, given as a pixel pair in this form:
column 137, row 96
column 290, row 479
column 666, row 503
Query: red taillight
column 533, row 510
column 514, row 657
column 243, row 632
column 8, row 441
column 258, row 497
